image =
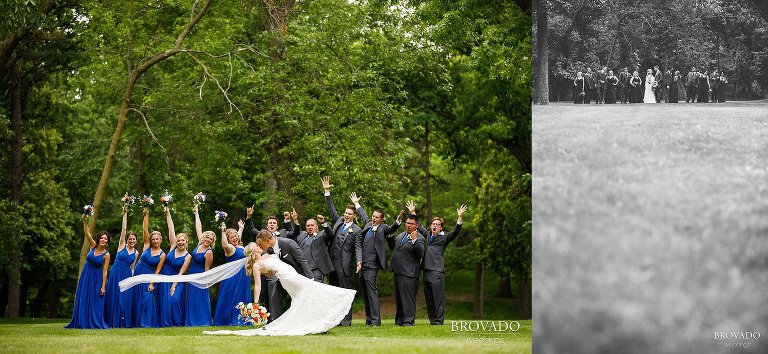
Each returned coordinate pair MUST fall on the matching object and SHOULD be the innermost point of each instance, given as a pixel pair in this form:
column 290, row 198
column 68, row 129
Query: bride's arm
column 256, row 282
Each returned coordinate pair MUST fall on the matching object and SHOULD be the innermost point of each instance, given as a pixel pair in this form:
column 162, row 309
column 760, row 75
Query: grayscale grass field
column 650, row 227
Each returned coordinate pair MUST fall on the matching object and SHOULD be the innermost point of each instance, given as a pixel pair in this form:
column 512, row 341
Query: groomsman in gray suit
column 408, row 248
column 342, row 247
column 314, row 245
column 370, row 252
column 433, row 263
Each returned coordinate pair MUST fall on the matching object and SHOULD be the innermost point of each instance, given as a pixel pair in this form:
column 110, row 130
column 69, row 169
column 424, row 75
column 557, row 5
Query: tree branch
column 154, row 137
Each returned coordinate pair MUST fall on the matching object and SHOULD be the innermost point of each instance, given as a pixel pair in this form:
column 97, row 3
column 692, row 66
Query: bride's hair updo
column 252, row 255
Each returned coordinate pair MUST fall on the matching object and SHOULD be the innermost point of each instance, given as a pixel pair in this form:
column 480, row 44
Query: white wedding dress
column 315, row 307
column 649, row 96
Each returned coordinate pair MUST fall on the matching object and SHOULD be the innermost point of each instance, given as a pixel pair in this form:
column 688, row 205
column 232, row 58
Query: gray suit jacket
column 433, row 256
column 406, row 256
column 347, row 238
column 379, row 238
column 291, row 253
column 318, row 250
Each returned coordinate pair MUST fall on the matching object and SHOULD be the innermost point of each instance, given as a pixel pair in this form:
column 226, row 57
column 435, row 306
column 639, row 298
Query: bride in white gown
column 315, row 307
column 650, row 81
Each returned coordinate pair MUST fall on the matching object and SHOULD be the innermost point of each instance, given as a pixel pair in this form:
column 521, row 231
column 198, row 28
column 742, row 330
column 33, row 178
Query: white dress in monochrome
column 649, row 96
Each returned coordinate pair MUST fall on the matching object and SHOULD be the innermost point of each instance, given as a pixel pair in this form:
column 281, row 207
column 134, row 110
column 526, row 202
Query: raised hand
column 411, row 206
column 223, row 227
column 461, row 210
column 145, row 212
column 320, row 219
column 400, row 216
column 249, row 212
column 194, row 209
column 295, row 216
column 354, row 198
column 241, row 224
column 327, row 183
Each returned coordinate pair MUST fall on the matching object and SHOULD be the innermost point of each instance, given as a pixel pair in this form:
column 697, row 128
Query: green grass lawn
column 49, row 336
column 650, row 227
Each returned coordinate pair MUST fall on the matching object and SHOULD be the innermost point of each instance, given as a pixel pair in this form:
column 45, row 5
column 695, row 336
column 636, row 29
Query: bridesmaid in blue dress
column 151, row 262
column 235, row 289
column 198, row 306
column 118, row 305
column 176, row 263
column 89, row 296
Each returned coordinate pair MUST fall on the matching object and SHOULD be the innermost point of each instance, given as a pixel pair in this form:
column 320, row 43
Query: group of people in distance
column 671, row 86
column 333, row 249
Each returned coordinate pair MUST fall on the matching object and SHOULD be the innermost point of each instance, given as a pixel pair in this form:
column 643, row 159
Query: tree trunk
column 14, row 247
column 541, row 54
column 524, row 305
column 40, row 300
column 54, row 300
column 505, row 287
column 23, row 297
column 122, row 117
column 478, row 300
column 427, row 174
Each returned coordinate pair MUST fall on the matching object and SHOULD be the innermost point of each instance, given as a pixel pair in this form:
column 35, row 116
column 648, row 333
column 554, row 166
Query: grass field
column 48, row 336
column 650, row 227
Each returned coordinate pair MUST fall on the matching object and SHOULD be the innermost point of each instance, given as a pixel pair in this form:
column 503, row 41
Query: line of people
column 335, row 249
column 670, row 86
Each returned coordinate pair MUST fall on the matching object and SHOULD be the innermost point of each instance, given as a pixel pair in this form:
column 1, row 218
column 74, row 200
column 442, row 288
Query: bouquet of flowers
column 88, row 212
column 219, row 217
column 166, row 199
column 128, row 201
column 199, row 199
column 147, row 201
column 255, row 315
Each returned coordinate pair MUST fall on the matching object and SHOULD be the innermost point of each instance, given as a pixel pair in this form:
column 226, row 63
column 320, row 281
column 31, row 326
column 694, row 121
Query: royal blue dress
column 89, row 304
column 232, row 291
column 198, row 304
column 118, row 305
column 145, row 304
column 172, row 314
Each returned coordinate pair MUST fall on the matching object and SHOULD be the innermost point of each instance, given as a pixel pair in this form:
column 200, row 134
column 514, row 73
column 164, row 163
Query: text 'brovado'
column 485, row 326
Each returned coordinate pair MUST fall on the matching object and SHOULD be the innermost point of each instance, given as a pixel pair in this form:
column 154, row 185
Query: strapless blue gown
column 198, row 304
column 232, row 291
column 118, row 305
column 89, row 304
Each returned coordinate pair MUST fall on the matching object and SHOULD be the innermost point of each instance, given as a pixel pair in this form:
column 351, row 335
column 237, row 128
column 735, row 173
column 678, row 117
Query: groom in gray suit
column 314, row 245
column 433, row 263
column 342, row 247
column 408, row 248
column 370, row 252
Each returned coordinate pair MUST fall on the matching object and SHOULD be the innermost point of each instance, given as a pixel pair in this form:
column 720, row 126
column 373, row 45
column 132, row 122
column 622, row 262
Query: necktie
column 431, row 237
column 343, row 227
column 370, row 231
column 405, row 237
column 310, row 238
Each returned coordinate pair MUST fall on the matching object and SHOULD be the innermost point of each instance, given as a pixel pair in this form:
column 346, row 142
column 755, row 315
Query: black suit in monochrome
column 288, row 231
column 341, row 249
column 315, row 249
column 370, row 250
column 289, row 252
column 434, row 271
column 406, row 259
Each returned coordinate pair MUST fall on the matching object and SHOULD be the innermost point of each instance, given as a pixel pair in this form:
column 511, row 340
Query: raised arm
column 295, row 228
column 171, row 229
column 329, row 200
column 123, row 230
column 240, row 228
column 145, row 229
column 360, row 211
column 229, row 249
column 388, row 229
column 198, row 225
column 455, row 232
column 412, row 209
column 249, row 227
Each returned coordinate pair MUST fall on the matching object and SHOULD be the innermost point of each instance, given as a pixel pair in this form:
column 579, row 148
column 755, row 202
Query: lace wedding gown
column 315, row 307
column 649, row 96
